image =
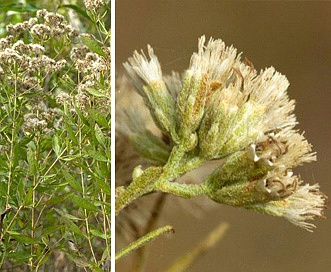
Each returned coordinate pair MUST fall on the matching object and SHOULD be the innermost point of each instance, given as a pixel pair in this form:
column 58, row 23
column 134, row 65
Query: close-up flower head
column 224, row 109
column 220, row 159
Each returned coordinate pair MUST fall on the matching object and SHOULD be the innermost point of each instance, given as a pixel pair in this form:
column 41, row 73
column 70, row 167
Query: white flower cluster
column 29, row 57
column 224, row 108
column 94, row 4
column 44, row 26
column 28, row 62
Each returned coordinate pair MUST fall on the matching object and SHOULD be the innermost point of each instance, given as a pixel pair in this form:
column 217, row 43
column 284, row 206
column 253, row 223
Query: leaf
column 23, row 238
column 104, row 186
column 19, row 153
column 70, row 133
column 74, row 183
column 73, row 227
column 67, row 218
column 93, row 46
column 55, row 145
column 19, row 256
column 105, row 254
column 28, row 197
column 26, row 139
column 69, row 119
column 96, row 93
column 81, row 115
column 45, row 257
column 97, row 269
column 104, row 170
column 20, row 191
column 79, row 261
column 67, row 215
column 58, row 199
column 97, row 233
column 77, row 9
column 99, row 135
column 51, row 101
column 70, row 157
column 97, row 155
column 51, row 229
column 83, row 203
column 18, row 8
column 99, row 118
column 32, row 162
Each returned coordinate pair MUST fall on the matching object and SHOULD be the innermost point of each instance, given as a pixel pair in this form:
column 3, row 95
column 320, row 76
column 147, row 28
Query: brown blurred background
column 295, row 38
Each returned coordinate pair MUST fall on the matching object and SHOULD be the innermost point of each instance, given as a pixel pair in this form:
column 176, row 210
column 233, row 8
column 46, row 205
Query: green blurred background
column 295, row 38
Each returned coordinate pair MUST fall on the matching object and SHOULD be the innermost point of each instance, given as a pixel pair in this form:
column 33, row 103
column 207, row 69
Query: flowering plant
column 54, row 141
column 221, row 109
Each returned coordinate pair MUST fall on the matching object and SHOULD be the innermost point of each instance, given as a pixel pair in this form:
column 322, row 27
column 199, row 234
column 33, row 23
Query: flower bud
column 229, row 124
column 190, row 104
column 147, row 78
column 243, row 193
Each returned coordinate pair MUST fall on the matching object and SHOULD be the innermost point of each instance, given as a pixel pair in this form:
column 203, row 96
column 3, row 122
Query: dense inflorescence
column 222, row 108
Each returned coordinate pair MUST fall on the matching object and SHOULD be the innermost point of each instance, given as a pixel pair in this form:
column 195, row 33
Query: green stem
column 106, row 229
column 159, row 178
column 138, row 187
column 13, row 139
column 142, row 254
column 82, row 180
column 143, row 240
column 184, row 262
column 180, row 189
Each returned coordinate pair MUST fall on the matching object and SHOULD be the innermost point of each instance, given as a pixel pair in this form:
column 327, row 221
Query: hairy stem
column 142, row 241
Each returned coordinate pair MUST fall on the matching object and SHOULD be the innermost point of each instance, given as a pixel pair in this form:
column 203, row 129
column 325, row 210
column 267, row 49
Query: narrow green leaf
column 99, row 118
column 96, row 93
column 69, row 119
column 81, row 115
column 23, row 238
column 80, row 262
column 97, row 155
column 32, row 162
column 58, row 199
column 77, row 9
column 75, row 229
column 93, row 46
column 67, row 215
column 20, row 191
column 70, row 133
column 19, row 256
column 70, row 158
column 56, row 145
column 74, row 183
column 26, row 139
column 18, row 8
column 104, row 186
column 45, row 257
column 98, row 233
column 28, row 197
column 105, row 254
column 97, row 269
column 51, row 229
column 83, row 203
column 19, row 153
column 99, row 135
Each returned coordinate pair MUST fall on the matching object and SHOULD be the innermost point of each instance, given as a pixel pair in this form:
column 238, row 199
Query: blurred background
column 295, row 38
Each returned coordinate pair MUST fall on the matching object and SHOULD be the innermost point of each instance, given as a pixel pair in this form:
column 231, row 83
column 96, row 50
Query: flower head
column 306, row 203
column 222, row 108
column 147, row 78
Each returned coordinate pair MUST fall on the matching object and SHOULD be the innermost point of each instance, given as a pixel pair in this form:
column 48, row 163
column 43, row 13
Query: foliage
column 54, row 138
